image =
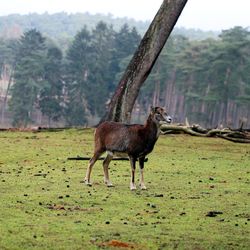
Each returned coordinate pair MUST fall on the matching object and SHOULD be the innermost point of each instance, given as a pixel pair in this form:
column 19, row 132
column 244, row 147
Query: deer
column 134, row 140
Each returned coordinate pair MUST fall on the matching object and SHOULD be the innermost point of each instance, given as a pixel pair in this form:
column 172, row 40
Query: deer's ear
column 152, row 109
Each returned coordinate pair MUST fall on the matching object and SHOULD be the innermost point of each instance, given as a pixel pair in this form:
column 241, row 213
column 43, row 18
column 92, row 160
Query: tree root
column 236, row 135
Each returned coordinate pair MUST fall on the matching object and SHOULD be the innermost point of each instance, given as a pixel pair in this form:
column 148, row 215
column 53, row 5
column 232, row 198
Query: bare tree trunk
column 6, row 98
column 181, row 108
column 157, row 92
column 225, row 99
column 234, row 116
column 123, row 100
column 170, row 91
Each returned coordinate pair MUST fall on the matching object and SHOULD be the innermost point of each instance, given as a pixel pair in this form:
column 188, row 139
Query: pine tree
column 77, row 78
column 51, row 96
column 28, row 76
column 101, row 77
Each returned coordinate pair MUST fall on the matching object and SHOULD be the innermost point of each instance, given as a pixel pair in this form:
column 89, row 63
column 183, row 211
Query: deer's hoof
column 109, row 184
column 88, row 183
column 143, row 187
column 132, row 187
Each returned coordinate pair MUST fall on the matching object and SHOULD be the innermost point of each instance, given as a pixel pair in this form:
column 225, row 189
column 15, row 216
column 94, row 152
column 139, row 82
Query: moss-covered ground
column 197, row 198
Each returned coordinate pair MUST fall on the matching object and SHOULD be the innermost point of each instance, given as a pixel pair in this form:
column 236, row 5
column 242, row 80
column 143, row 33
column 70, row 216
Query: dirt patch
column 118, row 244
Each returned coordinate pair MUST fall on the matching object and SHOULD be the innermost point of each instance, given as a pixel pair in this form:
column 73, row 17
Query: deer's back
column 119, row 137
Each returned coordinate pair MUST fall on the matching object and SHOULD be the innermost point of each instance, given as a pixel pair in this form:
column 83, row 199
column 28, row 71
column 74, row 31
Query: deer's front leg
column 90, row 166
column 106, row 170
column 132, row 163
column 141, row 163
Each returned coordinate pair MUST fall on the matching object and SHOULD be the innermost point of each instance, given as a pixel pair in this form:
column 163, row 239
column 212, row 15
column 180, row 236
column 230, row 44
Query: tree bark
column 6, row 98
column 140, row 66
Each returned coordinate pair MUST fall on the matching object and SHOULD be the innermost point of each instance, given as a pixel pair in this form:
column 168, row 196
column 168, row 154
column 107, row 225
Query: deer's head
column 160, row 116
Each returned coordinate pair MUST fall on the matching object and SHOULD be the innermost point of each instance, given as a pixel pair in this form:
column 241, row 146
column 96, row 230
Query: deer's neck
column 153, row 130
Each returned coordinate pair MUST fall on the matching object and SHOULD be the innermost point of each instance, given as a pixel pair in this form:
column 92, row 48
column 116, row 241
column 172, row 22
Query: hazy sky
column 203, row 14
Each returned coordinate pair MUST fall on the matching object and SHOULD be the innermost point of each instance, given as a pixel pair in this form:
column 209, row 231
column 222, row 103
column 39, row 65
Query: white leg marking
column 142, row 185
column 132, row 186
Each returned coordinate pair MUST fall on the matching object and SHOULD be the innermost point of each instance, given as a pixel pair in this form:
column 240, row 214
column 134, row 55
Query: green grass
column 44, row 205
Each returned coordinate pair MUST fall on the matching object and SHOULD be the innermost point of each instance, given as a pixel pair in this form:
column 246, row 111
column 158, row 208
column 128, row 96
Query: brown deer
column 134, row 140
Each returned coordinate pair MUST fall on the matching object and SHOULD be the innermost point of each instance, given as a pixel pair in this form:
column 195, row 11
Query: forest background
column 61, row 70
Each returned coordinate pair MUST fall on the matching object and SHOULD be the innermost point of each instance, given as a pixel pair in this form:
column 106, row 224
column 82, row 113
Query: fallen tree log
column 233, row 139
column 79, row 158
column 234, row 135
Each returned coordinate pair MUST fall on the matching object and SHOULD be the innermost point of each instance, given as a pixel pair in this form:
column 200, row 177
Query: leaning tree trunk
column 123, row 100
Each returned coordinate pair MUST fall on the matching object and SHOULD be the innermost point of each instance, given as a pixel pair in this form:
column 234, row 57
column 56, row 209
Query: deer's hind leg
column 106, row 162
column 141, row 163
column 92, row 161
column 132, row 181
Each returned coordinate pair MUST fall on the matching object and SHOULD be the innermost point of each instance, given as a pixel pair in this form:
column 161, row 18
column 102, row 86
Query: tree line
column 207, row 81
column 62, row 26
column 70, row 87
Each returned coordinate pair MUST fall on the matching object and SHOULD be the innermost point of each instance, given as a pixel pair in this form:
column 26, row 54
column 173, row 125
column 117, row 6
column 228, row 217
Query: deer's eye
column 158, row 117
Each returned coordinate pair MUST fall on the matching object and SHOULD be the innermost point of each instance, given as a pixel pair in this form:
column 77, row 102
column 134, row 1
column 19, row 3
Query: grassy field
column 197, row 198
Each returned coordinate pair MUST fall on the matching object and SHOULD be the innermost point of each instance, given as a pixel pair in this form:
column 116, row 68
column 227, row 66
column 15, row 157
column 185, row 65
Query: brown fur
column 134, row 140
